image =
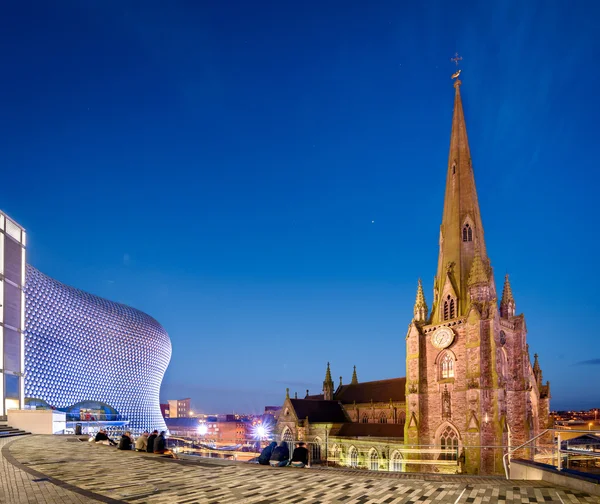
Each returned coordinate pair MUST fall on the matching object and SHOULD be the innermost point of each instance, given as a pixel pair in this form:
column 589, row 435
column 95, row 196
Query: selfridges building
column 90, row 356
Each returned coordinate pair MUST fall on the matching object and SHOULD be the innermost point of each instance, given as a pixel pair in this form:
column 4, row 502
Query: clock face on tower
column 442, row 337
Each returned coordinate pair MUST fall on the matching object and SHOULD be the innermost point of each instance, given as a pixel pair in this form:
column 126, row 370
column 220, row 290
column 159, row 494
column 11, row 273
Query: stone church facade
column 470, row 388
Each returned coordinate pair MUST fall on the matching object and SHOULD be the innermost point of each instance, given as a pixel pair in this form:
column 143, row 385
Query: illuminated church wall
column 80, row 347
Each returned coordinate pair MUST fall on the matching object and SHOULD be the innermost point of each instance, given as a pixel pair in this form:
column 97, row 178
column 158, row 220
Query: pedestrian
column 265, row 454
column 280, row 456
column 141, row 443
column 160, row 443
column 300, row 456
column 150, row 444
column 125, row 443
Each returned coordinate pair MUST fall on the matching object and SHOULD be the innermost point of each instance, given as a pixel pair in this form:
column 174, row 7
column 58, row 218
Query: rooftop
column 62, row 469
column 376, row 391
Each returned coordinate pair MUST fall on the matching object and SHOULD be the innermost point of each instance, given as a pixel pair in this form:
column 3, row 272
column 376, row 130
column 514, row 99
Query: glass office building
column 12, row 314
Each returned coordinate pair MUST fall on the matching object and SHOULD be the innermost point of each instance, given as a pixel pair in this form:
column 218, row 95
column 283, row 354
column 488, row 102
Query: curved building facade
column 83, row 348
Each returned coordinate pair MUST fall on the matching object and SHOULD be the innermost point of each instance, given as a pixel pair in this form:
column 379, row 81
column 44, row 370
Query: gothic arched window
column 315, row 450
column 365, row 418
column 396, row 461
column 383, row 418
column 447, row 366
column 449, row 307
column 401, row 418
column 467, row 233
column 335, row 453
column 353, row 457
column 449, row 442
column 374, row 460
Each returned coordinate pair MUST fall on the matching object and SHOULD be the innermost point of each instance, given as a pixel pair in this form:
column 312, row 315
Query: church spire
column 420, row 310
column 507, row 304
column 328, row 385
column 354, row 377
column 461, row 231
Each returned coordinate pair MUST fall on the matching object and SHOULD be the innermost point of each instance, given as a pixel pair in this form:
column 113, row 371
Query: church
column 470, row 389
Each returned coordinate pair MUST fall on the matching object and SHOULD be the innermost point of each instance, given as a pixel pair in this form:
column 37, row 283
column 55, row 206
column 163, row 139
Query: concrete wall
column 38, row 421
column 525, row 470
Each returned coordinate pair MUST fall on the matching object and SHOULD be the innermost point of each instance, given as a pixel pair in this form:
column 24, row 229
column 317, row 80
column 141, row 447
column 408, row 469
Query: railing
column 558, row 453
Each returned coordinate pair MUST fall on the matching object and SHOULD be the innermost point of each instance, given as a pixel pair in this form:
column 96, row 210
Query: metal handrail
column 509, row 451
column 505, row 460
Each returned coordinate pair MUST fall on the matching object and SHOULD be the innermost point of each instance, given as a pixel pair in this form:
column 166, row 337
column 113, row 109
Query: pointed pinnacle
column 354, row 377
column 477, row 274
column 507, row 294
column 328, row 378
column 420, row 300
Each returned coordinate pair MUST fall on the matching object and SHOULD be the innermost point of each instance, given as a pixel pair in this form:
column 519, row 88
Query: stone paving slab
column 93, row 473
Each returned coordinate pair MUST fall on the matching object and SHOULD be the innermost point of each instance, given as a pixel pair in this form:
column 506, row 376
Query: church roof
column 316, row 397
column 319, row 411
column 376, row 391
column 372, row 430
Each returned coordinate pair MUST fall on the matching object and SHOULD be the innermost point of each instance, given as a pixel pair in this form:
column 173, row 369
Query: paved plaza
column 62, row 469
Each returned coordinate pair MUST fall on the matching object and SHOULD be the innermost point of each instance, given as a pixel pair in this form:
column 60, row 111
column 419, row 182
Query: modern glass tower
column 12, row 314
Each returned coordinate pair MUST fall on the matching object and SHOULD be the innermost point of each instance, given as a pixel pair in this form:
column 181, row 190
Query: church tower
column 470, row 382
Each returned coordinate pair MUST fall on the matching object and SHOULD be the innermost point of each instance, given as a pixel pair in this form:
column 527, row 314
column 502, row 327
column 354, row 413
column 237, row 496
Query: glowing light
column 202, row 429
column 262, row 431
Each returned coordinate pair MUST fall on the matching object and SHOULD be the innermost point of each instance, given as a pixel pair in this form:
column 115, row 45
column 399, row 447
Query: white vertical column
column 2, row 412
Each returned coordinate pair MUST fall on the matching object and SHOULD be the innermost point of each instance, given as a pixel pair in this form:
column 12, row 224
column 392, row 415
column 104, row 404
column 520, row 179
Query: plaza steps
column 8, row 431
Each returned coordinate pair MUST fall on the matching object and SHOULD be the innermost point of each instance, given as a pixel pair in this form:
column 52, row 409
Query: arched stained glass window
column 374, row 460
column 353, row 457
column 447, row 366
column 449, row 443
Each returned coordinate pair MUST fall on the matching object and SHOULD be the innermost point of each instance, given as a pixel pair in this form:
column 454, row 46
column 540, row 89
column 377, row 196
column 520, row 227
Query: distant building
column 273, row 411
column 226, row 430
column 164, row 409
column 179, row 408
column 184, row 427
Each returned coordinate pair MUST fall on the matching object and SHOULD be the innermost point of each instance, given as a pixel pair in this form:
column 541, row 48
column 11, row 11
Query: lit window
column 353, row 457
column 365, row 418
column 447, row 365
column 396, row 461
column 374, row 461
column 449, row 442
column 382, row 418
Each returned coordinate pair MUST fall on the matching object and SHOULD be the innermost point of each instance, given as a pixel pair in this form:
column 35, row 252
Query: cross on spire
column 455, row 75
column 456, row 58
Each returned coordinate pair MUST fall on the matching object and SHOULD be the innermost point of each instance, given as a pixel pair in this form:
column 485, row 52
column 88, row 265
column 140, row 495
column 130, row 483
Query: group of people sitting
column 150, row 443
column 279, row 456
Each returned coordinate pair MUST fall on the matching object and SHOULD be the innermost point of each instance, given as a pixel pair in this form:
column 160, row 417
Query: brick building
column 469, row 384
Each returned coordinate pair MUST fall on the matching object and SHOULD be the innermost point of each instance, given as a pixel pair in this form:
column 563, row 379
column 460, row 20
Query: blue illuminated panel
column 80, row 347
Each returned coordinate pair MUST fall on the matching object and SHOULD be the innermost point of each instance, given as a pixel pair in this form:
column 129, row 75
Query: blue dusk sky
column 266, row 179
